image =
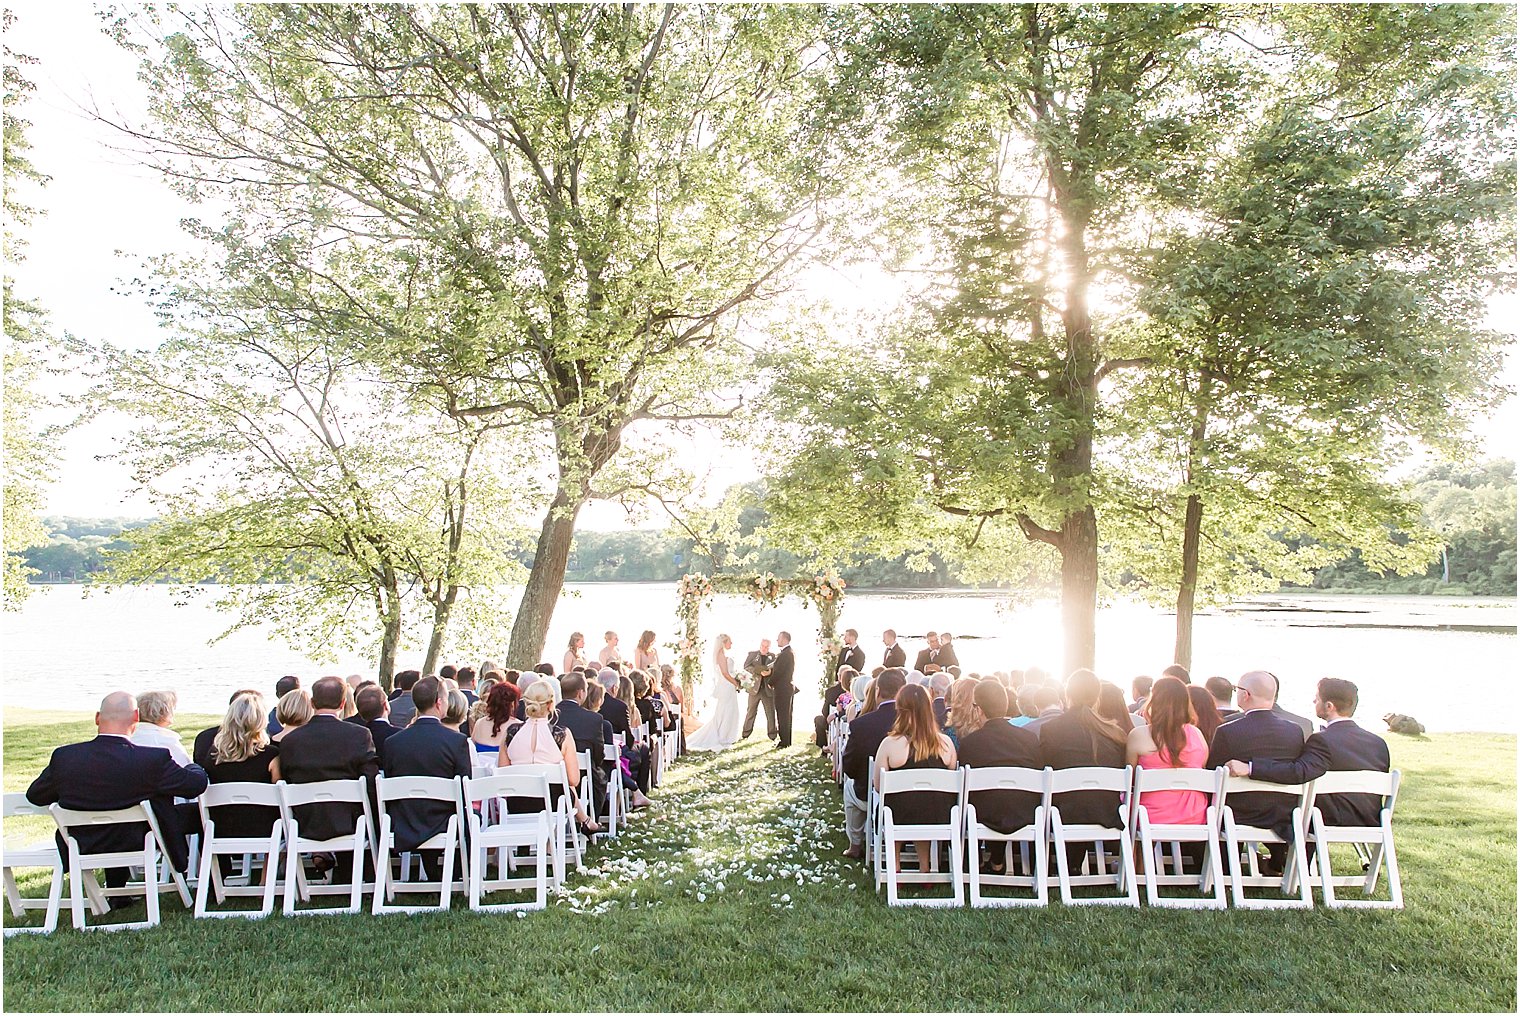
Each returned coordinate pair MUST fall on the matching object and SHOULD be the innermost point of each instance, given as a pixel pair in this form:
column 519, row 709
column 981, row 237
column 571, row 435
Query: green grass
column 797, row 928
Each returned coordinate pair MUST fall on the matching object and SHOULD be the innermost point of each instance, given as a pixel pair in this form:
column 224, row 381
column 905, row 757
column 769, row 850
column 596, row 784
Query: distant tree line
column 1473, row 509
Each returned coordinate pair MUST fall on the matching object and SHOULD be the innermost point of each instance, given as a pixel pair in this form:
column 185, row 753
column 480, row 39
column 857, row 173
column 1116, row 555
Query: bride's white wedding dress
column 722, row 728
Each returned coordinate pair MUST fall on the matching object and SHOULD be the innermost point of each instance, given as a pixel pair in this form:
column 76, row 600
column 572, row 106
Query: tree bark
column 390, row 631
column 1187, row 587
column 1079, row 588
column 442, row 610
column 545, row 580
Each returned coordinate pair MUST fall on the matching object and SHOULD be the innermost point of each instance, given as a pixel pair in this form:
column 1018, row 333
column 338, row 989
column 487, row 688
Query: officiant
column 758, row 664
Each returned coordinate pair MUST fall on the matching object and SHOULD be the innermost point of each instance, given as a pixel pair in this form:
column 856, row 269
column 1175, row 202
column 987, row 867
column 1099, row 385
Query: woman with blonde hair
column 870, row 698
column 242, row 752
column 963, row 716
column 575, row 655
column 721, row 729
column 915, row 742
column 291, row 711
column 542, row 741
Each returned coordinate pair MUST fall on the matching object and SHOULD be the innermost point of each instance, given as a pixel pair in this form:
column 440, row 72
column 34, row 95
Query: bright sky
column 105, row 215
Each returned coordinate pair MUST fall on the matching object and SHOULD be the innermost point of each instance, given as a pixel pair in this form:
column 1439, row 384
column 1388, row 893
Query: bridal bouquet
column 748, row 682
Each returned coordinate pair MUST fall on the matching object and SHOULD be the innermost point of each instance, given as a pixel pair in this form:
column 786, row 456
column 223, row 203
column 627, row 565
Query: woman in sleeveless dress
column 915, row 742
column 646, row 657
column 539, row 740
column 722, row 729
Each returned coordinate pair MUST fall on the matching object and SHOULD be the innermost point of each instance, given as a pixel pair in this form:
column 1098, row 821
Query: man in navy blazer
column 1259, row 732
column 591, row 731
column 866, row 734
column 326, row 748
column 373, row 715
column 111, row 772
column 426, row 748
column 781, row 685
column 1341, row 747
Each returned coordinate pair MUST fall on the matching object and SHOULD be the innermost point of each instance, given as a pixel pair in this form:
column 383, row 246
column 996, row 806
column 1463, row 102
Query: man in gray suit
column 758, row 664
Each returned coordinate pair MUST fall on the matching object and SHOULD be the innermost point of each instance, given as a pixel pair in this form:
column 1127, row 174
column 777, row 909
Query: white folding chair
column 32, row 855
column 1157, row 838
column 81, row 866
column 1378, row 837
column 672, row 736
column 219, row 795
column 1064, row 834
column 562, row 825
column 389, row 790
column 893, row 833
column 357, row 843
column 1238, row 838
column 507, row 833
column 1033, row 839
column 617, row 795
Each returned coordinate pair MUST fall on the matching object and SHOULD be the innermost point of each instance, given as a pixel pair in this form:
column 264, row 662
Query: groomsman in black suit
column 326, row 748
column 1342, row 746
column 946, row 657
column 1259, row 733
column 373, row 715
column 782, row 687
column 929, row 654
column 426, row 748
column 110, row 772
column 851, row 655
column 896, row 655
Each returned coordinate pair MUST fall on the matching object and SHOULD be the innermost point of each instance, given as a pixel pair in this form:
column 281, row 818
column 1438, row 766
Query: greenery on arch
column 825, row 591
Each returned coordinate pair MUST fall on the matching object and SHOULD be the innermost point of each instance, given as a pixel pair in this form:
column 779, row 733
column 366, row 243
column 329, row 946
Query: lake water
column 64, row 650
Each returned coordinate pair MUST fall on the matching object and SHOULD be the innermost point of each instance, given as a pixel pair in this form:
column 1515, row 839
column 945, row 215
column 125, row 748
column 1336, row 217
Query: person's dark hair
column 406, row 678
column 370, row 701
column 328, row 692
column 1338, row 692
column 1083, row 690
column 1207, row 711
column 448, row 672
column 466, row 677
column 546, row 669
column 991, row 698
column 571, row 685
column 1141, row 687
column 1220, row 688
column 426, row 692
column 1169, row 709
column 577, row 669
column 845, row 674
column 245, row 691
column 1112, row 707
column 1178, row 671
column 915, row 722
column 285, row 685
column 1042, row 697
column 784, row 635
column 513, row 676
column 890, row 682
column 876, row 671
column 501, row 705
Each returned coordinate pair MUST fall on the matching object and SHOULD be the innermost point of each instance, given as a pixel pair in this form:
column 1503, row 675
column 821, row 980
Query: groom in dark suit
column 781, row 686
column 850, row 654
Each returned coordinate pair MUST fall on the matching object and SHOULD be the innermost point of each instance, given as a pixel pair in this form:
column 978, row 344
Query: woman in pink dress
column 1170, row 739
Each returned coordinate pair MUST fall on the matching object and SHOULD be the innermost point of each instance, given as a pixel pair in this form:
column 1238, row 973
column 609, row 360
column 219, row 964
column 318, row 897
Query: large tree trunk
column 1187, row 587
column 1079, row 588
column 545, row 580
column 443, row 609
column 390, row 627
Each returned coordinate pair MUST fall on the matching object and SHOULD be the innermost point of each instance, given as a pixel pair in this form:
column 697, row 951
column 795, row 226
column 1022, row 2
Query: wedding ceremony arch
column 825, row 591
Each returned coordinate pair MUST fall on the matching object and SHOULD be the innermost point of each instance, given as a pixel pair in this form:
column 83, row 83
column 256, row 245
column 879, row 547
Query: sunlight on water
column 64, row 651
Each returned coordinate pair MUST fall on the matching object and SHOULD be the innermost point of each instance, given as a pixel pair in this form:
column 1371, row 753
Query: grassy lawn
column 730, row 895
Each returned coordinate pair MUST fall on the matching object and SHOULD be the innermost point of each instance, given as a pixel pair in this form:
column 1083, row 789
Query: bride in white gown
column 722, row 728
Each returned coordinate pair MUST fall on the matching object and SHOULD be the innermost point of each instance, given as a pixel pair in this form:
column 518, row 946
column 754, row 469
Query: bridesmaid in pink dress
column 1170, row 739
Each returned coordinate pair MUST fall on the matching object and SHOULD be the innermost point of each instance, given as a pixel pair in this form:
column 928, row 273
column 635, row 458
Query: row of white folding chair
column 32, row 855
column 670, row 738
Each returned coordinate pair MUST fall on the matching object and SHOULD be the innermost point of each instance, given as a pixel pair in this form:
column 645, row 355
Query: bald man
column 111, row 772
column 1259, row 733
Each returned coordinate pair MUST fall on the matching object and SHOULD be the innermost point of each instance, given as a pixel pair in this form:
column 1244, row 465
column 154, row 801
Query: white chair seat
column 893, row 833
column 1240, row 838
column 510, row 831
column 388, row 791
column 1379, row 838
column 1033, row 838
column 32, row 855
column 1062, row 834
column 219, row 795
column 1156, row 837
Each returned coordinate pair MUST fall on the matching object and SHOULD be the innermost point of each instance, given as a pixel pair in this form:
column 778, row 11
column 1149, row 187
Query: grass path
column 730, row 895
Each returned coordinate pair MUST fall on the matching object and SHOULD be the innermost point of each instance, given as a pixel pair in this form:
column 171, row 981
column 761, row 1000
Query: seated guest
column 543, row 670
column 839, row 689
column 155, row 710
column 489, row 666
column 1178, row 671
column 110, row 772
column 350, row 707
column 241, row 752
column 939, row 689
column 996, row 742
column 615, row 711
column 428, row 747
column 466, row 679
column 673, row 694
column 284, row 686
column 326, row 748
column 915, row 742
column 867, row 731
column 542, row 740
column 1140, row 687
column 857, row 696
column 1342, row 746
column 1303, row 722
column 1259, row 733
column 871, row 697
column 638, row 755
column 1221, row 690
column 962, row 717
column 1080, row 737
column 1113, row 708
column 293, row 711
column 372, row 715
column 448, row 672
column 458, row 710
column 402, row 709
column 651, row 709
column 200, row 749
column 1046, row 702
column 1207, row 713
column 499, row 721
column 590, row 729
column 1170, row 739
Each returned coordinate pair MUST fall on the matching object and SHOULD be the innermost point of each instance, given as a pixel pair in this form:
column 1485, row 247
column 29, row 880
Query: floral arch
column 826, row 592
